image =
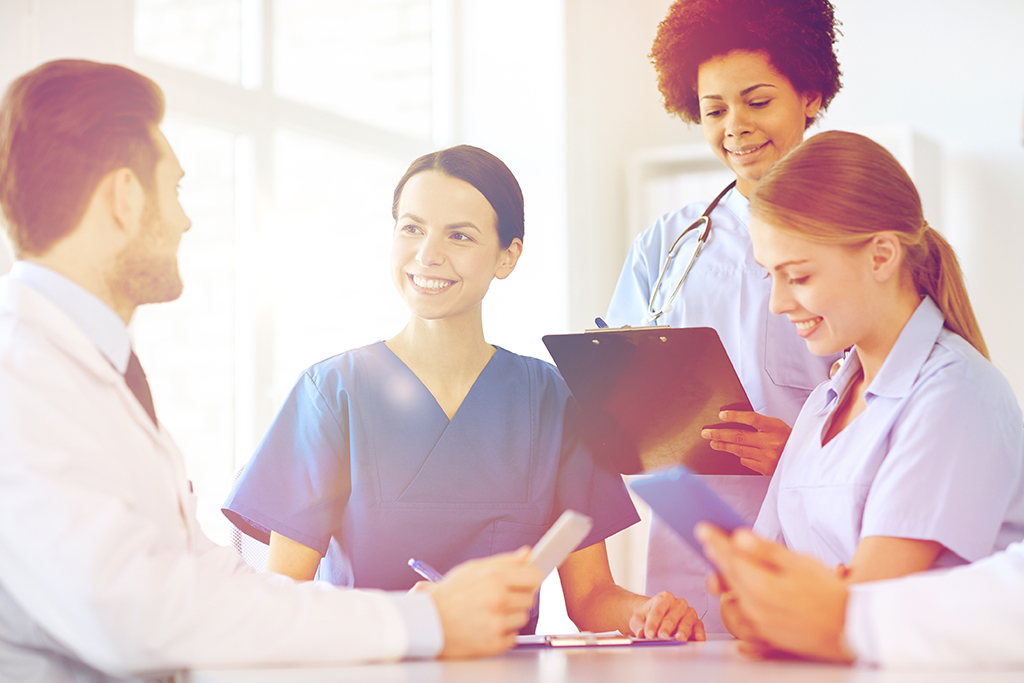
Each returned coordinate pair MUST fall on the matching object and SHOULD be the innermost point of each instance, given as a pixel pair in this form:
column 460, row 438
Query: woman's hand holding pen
column 759, row 450
column 483, row 603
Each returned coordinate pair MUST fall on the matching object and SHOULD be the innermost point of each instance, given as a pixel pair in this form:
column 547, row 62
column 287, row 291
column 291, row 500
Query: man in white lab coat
column 104, row 573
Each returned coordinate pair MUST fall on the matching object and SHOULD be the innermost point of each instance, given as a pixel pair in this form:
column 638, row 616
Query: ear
column 886, row 253
column 127, row 199
column 812, row 103
column 509, row 259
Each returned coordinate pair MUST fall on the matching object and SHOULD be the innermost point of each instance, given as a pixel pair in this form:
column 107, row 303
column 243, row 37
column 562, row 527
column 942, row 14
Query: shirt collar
column 848, row 370
column 99, row 322
column 903, row 363
column 738, row 204
column 908, row 355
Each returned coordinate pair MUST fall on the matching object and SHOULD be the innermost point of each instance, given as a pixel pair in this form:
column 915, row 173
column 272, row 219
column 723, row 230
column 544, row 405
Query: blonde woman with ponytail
column 911, row 456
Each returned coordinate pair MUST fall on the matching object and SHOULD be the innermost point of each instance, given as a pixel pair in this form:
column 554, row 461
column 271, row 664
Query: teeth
column 746, row 151
column 430, row 283
column 807, row 324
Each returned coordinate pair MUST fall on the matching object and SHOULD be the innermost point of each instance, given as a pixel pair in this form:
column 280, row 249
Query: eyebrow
column 790, row 263
column 450, row 226
column 743, row 93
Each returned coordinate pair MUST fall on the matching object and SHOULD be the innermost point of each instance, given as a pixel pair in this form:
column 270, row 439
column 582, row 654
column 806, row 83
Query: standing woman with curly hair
column 755, row 74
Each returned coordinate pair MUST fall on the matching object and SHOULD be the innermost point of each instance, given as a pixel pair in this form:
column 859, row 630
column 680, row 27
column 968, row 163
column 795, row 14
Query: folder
column 588, row 639
column 645, row 394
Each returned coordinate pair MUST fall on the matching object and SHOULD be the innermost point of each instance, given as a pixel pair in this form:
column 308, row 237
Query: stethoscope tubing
column 705, row 221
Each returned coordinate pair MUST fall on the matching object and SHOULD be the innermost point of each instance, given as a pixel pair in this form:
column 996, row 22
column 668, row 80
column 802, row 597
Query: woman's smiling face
column 446, row 248
column 750, row 113
column 824, row 289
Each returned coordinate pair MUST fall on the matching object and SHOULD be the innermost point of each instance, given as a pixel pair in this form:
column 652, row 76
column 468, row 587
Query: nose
column 430, row 252
column 737, row 122
column 780, row 300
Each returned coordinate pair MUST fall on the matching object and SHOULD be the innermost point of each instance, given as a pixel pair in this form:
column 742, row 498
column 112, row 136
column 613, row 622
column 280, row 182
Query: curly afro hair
column 798, row 36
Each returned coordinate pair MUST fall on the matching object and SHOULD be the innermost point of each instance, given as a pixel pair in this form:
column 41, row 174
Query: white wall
column 952, row 71
column 955, row 72
column 510, row 83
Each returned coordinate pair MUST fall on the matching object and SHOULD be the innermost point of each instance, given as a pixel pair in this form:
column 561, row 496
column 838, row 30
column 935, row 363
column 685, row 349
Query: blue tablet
column 679, row 497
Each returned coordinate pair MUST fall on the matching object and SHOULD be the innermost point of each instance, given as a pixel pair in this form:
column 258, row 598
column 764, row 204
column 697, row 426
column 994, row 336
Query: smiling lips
column 430, row 284
column 805, row 327
column 744, row 151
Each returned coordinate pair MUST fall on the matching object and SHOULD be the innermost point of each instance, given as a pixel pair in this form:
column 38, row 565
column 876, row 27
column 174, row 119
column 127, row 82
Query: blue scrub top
column 937, row 455
column 363, row 465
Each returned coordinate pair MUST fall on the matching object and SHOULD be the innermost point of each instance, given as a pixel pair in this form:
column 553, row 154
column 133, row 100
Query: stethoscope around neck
column 703, row 222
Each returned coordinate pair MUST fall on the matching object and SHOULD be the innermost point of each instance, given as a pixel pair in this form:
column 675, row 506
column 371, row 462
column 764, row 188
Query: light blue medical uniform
column 728, row 291
column 937, row 455
column 363, row 465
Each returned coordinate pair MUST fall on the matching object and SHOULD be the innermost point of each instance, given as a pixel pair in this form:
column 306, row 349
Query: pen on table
column 601, row 324
column 425, row 570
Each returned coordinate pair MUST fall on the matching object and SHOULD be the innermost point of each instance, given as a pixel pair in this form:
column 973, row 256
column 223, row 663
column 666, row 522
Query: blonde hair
column 842, row 188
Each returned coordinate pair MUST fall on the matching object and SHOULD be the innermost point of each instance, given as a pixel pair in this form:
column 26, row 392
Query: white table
column 711, row 662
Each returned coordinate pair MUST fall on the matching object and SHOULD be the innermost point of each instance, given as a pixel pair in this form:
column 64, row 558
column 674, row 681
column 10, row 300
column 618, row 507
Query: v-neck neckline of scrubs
column 424, row 387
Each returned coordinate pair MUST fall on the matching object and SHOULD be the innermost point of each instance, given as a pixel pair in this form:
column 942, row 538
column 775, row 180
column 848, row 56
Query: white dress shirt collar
column 98, row 321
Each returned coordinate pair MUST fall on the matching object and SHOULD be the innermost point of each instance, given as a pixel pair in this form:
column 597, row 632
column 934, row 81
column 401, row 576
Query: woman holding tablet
column 912, row 455
column 434, row 444
column 755, row 74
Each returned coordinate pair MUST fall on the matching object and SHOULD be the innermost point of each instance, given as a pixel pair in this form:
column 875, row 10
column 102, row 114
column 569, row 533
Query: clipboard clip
column 602, row 326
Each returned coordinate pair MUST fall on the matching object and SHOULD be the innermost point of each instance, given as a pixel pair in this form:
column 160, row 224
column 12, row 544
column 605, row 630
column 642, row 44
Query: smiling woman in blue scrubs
column 435, row 444
column 912, row 455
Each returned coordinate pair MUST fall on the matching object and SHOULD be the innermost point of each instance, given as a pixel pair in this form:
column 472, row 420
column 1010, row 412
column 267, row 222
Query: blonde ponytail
column 842, row 188
column 936, row 272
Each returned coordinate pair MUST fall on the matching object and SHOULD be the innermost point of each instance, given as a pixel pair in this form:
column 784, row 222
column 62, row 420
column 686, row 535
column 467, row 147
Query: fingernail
column 705, row 434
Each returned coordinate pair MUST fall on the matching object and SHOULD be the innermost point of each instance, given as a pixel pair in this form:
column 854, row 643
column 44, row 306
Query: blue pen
column 600, row 323
column 425, row 570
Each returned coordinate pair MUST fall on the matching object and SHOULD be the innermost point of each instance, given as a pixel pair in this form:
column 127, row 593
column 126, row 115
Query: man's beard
column 144, row 272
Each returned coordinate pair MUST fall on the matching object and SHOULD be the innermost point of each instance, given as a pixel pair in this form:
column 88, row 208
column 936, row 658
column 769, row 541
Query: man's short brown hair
column 63, row 127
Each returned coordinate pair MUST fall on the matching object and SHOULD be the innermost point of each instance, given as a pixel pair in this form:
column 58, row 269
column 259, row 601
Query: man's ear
column 886, row 253
column 127, row 199
column 509, row 259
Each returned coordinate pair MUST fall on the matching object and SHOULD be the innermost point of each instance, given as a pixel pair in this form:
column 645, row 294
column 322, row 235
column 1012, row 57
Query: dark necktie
column 136, row 380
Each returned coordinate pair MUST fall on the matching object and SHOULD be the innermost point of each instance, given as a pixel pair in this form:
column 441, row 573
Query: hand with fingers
column 759, row 450
column 775, row 598
column 483, row 603
column 665, row 616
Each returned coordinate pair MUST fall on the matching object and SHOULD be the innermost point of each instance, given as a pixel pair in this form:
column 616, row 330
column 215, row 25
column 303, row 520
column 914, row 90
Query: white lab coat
column 969, row 615
column 102, row 564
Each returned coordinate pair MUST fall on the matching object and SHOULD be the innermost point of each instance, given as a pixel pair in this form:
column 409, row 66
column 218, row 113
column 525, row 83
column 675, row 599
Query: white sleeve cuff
column 860, row 635
column 423, row 624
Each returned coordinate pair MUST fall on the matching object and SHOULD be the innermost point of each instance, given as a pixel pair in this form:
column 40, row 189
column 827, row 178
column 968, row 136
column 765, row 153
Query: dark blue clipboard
column 646, row 393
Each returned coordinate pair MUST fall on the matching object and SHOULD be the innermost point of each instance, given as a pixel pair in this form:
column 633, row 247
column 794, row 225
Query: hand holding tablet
column 564, row 536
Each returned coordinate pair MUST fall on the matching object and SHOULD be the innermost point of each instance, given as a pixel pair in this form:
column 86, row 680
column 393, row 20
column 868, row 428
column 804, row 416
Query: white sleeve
column 97, row 554
column 628, row 305
column 972, row 614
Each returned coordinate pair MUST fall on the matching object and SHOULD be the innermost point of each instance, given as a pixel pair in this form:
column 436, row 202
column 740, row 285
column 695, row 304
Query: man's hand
column 760, row 450
column 776, row 597
column 665, row 616
column 483, row 603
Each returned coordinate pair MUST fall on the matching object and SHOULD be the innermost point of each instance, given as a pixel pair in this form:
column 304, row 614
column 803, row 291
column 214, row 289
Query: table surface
column 716, row 660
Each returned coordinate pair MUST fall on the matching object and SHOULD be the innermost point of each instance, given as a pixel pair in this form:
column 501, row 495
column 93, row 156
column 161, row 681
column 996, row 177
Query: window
column 293, row 120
